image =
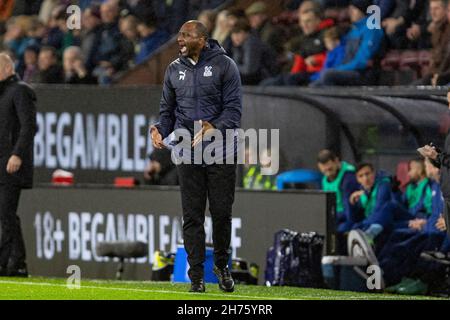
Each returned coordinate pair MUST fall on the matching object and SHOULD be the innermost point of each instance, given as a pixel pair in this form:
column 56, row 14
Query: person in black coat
column 17, row 130
column 441, row 159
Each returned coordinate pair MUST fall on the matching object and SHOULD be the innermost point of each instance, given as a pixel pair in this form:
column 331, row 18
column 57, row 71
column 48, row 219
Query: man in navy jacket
column 203, row 85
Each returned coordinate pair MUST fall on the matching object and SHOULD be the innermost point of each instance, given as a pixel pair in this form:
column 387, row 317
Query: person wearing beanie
column 259, row 19
column 362, row 45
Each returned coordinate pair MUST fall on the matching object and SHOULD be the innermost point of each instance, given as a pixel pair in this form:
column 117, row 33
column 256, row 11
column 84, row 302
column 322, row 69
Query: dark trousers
column 447, row 215
column 198, row 183
column 12, row 247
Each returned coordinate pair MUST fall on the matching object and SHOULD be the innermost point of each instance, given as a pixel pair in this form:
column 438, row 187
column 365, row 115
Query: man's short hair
column 241, row 25
column 326, row 155
column 200, row 28
column 332, row 33
column 419, row 161
column 444, row 2
column 363, row 165
column 50, row 49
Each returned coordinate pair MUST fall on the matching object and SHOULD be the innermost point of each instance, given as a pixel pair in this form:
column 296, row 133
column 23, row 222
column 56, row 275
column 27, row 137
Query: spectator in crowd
column 221, row 30
column 91, row 36
column 16, row 36
column 338, row 177
column 151, row 38
column 418, row 34
column 74, row 70
column 361, row 46
column 440, row 38
column 46, row 10
column 308, row 50
column 233, row 18
column 208, row 18
column 259, row 21
column 396, row 25
column 335, row 51
column 113, row 50
column 31, row 67
column 6, row 10
column 253, row 58
column 49, row 69
column 160, row 170
column 60, row 36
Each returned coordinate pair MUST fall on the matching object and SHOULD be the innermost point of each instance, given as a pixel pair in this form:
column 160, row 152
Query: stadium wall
column 62, row 225
column 102, row 133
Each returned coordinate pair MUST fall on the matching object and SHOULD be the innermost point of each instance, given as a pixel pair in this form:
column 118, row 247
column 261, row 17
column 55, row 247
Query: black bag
column 295, row 260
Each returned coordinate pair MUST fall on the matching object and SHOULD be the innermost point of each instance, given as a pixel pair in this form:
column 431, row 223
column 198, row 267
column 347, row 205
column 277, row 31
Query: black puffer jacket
column 209, row 91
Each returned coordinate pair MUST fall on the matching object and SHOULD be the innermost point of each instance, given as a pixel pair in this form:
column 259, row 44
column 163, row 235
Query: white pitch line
column 139, row 290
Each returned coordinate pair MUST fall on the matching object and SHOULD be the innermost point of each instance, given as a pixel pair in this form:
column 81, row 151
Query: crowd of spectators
column 322, row 43
column 311, row 42
column 114, row 35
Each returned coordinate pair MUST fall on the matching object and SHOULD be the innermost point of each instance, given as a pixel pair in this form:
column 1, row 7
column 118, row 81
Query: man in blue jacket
column 361, row 47
column 203, row 85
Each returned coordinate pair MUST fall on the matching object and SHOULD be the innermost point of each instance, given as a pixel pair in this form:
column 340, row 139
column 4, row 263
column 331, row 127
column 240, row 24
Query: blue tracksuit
column 400, row 255
column 407, row 211
column 381, row 210
column 361, row 45
column 333, row 59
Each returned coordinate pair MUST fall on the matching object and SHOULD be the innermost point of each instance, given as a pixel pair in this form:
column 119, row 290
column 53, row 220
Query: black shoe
column 226, row 282
column 197, row 286
column 3, row 272
column 21, row 273
column 436, row 256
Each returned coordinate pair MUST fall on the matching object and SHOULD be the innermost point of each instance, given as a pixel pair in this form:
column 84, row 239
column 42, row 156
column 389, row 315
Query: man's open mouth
column 183, row 49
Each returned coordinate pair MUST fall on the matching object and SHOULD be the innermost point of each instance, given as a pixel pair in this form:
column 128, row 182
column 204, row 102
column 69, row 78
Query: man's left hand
column 14, row 164
column 206, row 126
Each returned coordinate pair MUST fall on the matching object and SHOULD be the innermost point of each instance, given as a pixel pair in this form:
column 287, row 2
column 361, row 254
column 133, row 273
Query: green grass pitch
column 35, row 288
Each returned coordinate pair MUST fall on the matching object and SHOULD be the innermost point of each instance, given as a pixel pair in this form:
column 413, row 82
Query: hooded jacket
column 209, row 90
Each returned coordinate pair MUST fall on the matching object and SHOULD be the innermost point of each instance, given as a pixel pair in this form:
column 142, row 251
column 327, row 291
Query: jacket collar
column 11, row 79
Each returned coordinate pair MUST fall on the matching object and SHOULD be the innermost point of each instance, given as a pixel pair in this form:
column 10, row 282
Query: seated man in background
column 308, row 50
column 416, row 206
column 399, row 258
column 49, row 69
column 338, row 177
column 254, row 59
column 151, row 38
column 74, row 70
column 440, row 39
column 372, row 205
column 335, row 52
column 361, row 47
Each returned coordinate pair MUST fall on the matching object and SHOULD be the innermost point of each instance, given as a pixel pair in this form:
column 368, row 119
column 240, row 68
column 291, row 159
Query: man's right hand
column 157, row 140
column 428, row 152
column 354, row 198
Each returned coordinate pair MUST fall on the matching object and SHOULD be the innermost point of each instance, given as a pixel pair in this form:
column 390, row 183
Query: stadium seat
column 409, row 59
column 391, row 61
column 299, row 176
